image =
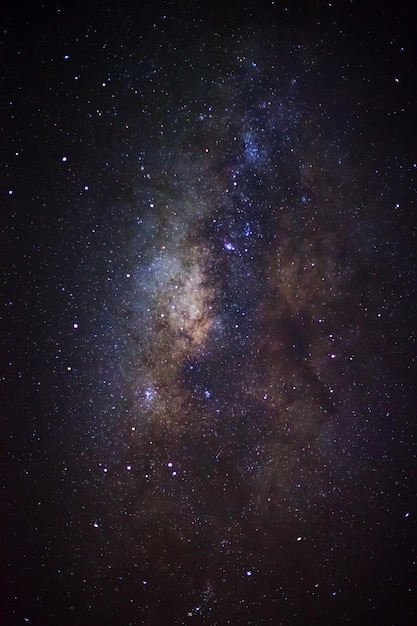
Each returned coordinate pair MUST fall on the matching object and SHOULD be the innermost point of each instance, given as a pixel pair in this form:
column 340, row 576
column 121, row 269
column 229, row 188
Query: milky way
column 230, row 342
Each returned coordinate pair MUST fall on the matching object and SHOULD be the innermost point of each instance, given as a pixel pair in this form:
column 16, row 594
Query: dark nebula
column 208, row 367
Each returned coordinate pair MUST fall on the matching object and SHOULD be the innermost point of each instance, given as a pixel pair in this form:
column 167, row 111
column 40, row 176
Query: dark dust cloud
column 209, row 314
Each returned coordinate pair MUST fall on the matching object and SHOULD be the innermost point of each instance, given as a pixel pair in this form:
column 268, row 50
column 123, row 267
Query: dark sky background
column 208, row 361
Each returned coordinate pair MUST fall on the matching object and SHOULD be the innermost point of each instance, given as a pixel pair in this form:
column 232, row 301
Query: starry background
column 208, row 313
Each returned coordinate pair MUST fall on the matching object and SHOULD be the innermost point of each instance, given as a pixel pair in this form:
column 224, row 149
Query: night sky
column 208, row 313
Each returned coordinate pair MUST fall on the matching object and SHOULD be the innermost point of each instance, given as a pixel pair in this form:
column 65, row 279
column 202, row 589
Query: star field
column 208, row 314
